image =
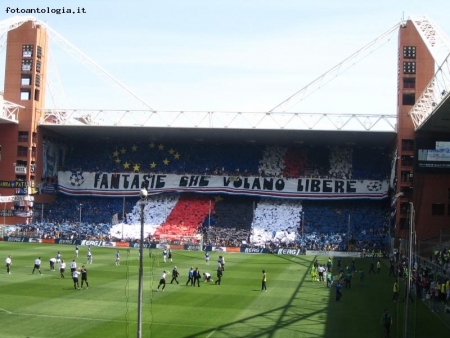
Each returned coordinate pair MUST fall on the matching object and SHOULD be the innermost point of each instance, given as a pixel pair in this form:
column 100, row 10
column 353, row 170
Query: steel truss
column 10, row 24
column 438, row 88
column 9, row 111
column 219, row 120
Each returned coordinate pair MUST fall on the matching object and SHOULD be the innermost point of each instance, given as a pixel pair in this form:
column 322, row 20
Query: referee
column 84, row 278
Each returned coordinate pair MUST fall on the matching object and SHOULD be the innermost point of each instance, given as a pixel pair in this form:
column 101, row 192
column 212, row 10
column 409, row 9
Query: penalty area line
column 3, row 310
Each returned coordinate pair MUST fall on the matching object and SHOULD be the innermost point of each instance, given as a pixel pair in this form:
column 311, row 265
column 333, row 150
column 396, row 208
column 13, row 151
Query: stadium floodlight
column 143, row 194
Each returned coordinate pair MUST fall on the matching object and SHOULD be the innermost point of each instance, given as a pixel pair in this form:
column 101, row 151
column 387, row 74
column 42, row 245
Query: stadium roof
column 251, row 136
column 223, row 127
column 439, row 120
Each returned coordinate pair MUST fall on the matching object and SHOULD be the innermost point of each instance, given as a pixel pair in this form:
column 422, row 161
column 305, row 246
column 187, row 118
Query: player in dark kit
column 84, row 278
column 196, row 277
column 219, row 275
column 221, row 262
column 175, row 275
column 338, row 292
column 391, row 267
column 386, row 322
column 264, row 281
column 372, row 267
column 190, row 276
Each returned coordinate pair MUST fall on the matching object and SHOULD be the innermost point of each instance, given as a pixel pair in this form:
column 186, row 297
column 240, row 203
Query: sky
column 235, row 55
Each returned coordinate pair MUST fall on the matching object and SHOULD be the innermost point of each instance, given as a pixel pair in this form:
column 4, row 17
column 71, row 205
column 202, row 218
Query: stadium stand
column 226, row 219
column 328, row 224
column 181, row 158
column 276, row 222
column 230, row 221
column 185, row 218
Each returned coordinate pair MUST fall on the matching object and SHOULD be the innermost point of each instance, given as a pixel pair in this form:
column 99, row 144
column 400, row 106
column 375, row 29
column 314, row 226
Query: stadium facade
column 34, row 144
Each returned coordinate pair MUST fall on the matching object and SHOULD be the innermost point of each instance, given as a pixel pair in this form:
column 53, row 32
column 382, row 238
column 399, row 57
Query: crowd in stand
column 276, row 222
column 442, row 258
column 61, row 230
column 428, row 282
column 360, row 225
column 230, row 220
column 180, row 158
column 224, row 159
column 236, row 221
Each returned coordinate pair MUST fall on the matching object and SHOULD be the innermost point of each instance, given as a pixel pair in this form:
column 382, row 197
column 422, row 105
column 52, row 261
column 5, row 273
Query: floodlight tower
column 25, row 79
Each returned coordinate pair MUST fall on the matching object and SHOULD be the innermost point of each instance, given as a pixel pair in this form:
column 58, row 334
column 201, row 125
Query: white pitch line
column 97, row 319
column 210, row 334
column 69, row 317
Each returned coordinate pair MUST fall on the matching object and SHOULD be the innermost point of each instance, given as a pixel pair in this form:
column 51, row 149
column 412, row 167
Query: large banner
column 14, row 184
column 22, row 239
column 129, row 184
column 67, row 241
column 289, row 252
column 16, row 198
column 48, row 188
column 23, row 213
column 253, row 250
column 97, row 243
column 50, row 159
column 146, row 245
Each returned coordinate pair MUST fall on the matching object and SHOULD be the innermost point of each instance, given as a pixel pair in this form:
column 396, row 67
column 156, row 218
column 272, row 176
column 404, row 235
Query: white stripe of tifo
column 93, row 319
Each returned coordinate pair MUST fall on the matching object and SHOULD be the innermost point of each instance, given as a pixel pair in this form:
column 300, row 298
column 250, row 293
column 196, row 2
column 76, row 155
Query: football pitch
column 32, row 305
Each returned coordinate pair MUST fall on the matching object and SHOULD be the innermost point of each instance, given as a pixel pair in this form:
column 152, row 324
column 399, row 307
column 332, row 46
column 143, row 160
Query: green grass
column 293, row 306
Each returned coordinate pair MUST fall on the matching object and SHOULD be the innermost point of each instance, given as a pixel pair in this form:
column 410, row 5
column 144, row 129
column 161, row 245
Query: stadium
column 272, row 189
